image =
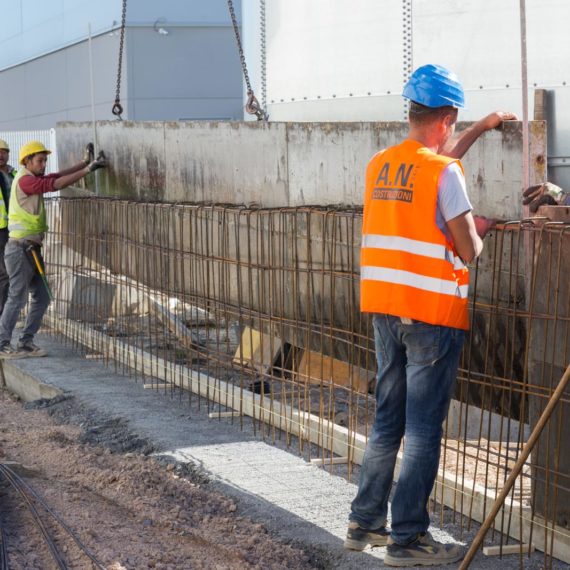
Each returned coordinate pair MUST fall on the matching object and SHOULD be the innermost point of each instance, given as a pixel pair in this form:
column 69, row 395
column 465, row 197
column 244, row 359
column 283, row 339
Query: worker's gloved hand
column 89, row 154
column 545, row 194
column 483, row 225
column 101, row 162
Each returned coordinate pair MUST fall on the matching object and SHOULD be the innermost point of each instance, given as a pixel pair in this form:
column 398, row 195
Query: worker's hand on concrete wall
column 494, row 120
column 545, row 194
column 457, row 146
column 483, row 225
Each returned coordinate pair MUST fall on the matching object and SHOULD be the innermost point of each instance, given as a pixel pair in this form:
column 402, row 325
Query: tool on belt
column 34, row 252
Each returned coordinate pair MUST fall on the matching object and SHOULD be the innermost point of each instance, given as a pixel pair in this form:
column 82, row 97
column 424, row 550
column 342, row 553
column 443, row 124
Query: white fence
column 16, row 139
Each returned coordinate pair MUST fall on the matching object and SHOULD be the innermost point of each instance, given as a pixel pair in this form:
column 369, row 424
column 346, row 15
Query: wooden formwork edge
column 450, row 490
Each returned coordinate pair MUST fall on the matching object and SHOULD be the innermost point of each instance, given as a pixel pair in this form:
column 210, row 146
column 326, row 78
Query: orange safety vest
column 409, row 268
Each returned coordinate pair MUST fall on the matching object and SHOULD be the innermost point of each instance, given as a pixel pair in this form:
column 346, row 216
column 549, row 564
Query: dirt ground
column 130, row 510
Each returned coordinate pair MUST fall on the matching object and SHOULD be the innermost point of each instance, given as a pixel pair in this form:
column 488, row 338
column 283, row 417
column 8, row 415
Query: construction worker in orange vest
column 418, row 236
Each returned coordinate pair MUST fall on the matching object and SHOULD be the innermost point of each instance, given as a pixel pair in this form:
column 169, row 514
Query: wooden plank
column 540, row 105
column 452, row 490
column 555, row 213
column 257, row 350
column 215, row 415
column 186, row 337
column 329, row 461
column 498, row 550
column 318, row 368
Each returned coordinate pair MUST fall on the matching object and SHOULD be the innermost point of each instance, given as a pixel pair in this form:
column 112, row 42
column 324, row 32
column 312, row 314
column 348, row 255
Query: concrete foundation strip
column 451, row 488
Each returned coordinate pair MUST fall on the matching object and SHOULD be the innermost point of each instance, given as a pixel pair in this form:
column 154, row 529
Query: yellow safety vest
column 4, row 207
column 21, row 223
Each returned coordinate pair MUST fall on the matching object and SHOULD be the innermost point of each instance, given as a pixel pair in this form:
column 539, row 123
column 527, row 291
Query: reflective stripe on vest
column 408, row 266
column 21, row 223
column 3, row 214
column 3, row 208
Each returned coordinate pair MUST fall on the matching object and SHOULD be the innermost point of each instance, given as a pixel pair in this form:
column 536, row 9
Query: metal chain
column 252, row 105
column 117, row 107
column 407, row 20
column 263, row 50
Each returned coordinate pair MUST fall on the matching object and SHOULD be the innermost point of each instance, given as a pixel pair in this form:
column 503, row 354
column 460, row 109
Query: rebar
column 31, row 497
column 256, row 311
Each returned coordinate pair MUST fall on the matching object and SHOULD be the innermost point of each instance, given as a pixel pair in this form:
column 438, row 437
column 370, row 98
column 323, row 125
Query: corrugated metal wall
column 16, row 139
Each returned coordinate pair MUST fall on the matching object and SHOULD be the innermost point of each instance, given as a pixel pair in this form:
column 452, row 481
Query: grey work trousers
column 4, row 279
column 24, row 279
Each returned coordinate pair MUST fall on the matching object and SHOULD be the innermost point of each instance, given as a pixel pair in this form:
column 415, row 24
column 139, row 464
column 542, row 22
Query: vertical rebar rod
column 528, row 447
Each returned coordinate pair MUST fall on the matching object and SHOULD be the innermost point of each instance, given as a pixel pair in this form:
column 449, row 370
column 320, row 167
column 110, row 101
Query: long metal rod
column 92, row 89
column 28, row 492
column 526, row 450
column 3, row 550
column 8, row 475
column 524, row 76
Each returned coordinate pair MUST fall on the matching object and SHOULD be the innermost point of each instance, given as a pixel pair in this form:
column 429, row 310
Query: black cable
column 29, row 489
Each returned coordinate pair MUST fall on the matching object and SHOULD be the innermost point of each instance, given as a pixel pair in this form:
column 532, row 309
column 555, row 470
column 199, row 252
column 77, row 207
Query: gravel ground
column 131, row 510
column 136, row 510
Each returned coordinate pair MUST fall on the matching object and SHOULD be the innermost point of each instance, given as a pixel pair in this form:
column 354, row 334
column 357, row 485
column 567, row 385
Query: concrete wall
column 283, row 164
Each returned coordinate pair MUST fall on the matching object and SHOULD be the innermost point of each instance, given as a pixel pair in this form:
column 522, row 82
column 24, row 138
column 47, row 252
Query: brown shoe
column 8, row 352
column 358, row 538
column 29, row 349
column 423, row 551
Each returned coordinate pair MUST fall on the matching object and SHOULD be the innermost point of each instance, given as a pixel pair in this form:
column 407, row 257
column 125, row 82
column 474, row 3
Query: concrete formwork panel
column 234, row 163
column 284, row 164
column 327, row 161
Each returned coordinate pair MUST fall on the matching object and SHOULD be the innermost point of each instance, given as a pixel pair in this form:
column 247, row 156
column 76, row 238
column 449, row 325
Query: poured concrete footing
column 28, row 387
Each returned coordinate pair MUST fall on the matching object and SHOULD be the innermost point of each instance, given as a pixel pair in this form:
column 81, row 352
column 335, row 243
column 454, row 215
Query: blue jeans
column 24, row 278
column 417, row 368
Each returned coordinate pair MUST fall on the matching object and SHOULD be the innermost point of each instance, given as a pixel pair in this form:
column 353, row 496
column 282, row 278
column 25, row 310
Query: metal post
column 92, row 87
column 526, row 149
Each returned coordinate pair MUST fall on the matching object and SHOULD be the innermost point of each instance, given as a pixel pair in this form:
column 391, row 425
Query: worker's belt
column 25, row 243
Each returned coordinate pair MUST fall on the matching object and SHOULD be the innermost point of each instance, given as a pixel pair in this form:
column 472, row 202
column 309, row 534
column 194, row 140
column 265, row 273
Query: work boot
column 422, row 551
column 358, row 538
column 7, row 351
column 30, row 349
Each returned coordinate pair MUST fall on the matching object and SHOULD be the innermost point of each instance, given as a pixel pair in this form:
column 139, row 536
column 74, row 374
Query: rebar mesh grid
column 255, row 312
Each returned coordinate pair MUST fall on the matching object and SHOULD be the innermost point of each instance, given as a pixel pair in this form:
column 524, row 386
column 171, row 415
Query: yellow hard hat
column 32, row 147
column 4, row 145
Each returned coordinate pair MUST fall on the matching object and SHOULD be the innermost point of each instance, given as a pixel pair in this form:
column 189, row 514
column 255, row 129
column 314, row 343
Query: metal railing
column 16, row 139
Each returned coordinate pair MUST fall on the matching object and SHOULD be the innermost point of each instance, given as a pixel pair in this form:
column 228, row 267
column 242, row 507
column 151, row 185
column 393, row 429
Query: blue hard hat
column 434, row 86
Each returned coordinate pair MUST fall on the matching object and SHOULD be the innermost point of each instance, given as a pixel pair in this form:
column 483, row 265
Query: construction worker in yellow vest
column 7, row 174
column 27, row 226
column 418, row 235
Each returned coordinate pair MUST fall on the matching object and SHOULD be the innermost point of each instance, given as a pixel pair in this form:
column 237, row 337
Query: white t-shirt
column 452, row 199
